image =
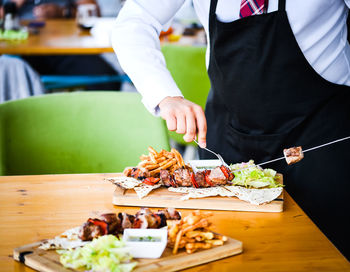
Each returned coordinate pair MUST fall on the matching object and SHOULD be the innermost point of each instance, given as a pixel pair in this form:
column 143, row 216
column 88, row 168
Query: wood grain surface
column 40, row 207
column 64, row 37
column 48, row 260
column 162, row 197
column 57, row 37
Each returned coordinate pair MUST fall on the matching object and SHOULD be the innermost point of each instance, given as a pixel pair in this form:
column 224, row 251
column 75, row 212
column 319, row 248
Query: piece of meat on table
column 182, row 177
column 293, row 154
column 89, row 231
column 170, row 214
column 114, row 223
column 200, row 179
column 139, row 173
column 217, row 177
column 127, row 220
column 165, row 178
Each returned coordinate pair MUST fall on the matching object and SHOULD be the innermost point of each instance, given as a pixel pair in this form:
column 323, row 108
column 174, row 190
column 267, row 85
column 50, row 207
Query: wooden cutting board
column 48, row 261
column 162, row 197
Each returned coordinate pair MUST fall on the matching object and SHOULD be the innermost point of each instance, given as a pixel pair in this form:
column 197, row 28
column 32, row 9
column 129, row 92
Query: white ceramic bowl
column 146, row 249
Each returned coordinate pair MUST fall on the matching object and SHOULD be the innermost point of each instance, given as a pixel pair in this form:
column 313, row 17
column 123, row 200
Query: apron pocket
column 242, row 147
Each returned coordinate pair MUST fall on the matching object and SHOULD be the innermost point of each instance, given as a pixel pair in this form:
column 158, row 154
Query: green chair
column 81, row 132
column 187, row 66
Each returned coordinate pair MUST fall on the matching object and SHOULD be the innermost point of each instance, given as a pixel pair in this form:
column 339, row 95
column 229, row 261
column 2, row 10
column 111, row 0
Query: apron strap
column 281, row 5
column 212, row 15
column 212, row 10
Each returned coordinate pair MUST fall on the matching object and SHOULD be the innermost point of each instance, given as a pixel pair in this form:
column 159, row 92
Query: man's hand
column 184, row 117
column 48, row 11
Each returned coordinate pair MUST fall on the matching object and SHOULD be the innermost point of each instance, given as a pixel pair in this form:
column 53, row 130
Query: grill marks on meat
column 200, row 179
column 165, row 178
column 170, row 214
column 88, row 231
column 182, row 178
column 127, row 220
column 217, row 177
column 116, row 224
column 139, row 173
column 146, row 219
column 293, row 154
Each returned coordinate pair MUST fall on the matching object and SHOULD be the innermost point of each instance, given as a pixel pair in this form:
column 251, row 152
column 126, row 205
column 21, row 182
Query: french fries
column 156, row 161
column 193, row 233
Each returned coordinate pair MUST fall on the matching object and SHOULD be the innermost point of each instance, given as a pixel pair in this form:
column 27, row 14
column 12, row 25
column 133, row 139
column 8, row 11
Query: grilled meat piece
column 127, row 171
column 89, row 231
column 145, row 218
column 140, row 222
column 217, row 177
column 114, row 223
column 200, row 179
column 165, row 178
column 139, row 173
column 170, row 214
column 147, row 221
column 126, row 220
column 182, row 177
column 293, row 154
column 143, row 211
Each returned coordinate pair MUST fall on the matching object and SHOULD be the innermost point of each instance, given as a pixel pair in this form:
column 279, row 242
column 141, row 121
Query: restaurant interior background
column 71, row 121
column 67, row 107
column 64, row 56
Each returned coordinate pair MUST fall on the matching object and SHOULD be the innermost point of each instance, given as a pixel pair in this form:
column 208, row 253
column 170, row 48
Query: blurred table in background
column 64, row 37
column 57, row 37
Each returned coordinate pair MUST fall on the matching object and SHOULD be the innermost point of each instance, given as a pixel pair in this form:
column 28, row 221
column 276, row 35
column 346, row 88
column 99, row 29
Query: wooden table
column 39, row 207
column 64, row 37
column 57, row 37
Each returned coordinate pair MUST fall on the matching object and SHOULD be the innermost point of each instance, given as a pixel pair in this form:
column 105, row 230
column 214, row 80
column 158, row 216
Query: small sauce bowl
column 146, row 243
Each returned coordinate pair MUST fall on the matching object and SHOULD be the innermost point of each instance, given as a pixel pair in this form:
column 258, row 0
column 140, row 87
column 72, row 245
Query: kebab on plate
column 111, row 223
column 169, row 169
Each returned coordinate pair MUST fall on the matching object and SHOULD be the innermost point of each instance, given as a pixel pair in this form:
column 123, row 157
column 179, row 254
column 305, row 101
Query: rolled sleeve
column 135, row 39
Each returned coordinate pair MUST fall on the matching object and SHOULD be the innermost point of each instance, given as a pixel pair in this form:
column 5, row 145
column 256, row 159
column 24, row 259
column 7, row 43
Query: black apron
column 265, row 96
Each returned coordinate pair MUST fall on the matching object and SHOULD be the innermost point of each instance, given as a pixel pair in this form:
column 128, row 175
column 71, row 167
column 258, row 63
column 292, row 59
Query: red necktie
column 252, row 7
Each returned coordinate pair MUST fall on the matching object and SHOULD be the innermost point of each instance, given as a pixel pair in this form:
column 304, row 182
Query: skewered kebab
column 185, row 177
column 111, row 223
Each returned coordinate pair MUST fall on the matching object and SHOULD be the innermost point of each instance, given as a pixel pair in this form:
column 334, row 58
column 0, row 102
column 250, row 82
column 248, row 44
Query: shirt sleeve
column 135, row 39
column 347, row 2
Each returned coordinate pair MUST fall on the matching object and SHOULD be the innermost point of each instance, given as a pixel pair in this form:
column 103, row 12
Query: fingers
column 180, row 123
column 201, row 127
column 171, row 122
column 184, row 117
column 191, row 126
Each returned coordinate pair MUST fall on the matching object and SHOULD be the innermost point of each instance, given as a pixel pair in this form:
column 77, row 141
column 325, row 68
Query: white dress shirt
column 319, row 27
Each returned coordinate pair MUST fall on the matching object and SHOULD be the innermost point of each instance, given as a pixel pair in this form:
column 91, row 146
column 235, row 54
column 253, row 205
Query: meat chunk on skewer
column 114, row 222
column 139, row 173
column 89, row 231
column 126, row 220
column 165, row 178
column 293, row 154
column 200, row 179
column 170, row 214
column 217, row 177
column 182, row 177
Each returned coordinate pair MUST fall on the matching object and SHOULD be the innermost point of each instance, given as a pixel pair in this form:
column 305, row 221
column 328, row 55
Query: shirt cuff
column 152, row 103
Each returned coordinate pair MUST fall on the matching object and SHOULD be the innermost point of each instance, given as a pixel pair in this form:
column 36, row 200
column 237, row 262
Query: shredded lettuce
column 253, row 176
column 106, row 253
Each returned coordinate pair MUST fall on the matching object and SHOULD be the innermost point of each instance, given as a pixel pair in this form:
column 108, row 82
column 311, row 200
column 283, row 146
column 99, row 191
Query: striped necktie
column 252, row 7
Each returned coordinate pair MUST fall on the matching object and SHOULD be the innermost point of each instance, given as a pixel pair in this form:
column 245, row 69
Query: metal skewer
column 307, row 150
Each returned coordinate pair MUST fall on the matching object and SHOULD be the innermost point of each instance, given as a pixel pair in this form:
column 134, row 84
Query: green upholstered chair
column 187, row 66
column 82, row 132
